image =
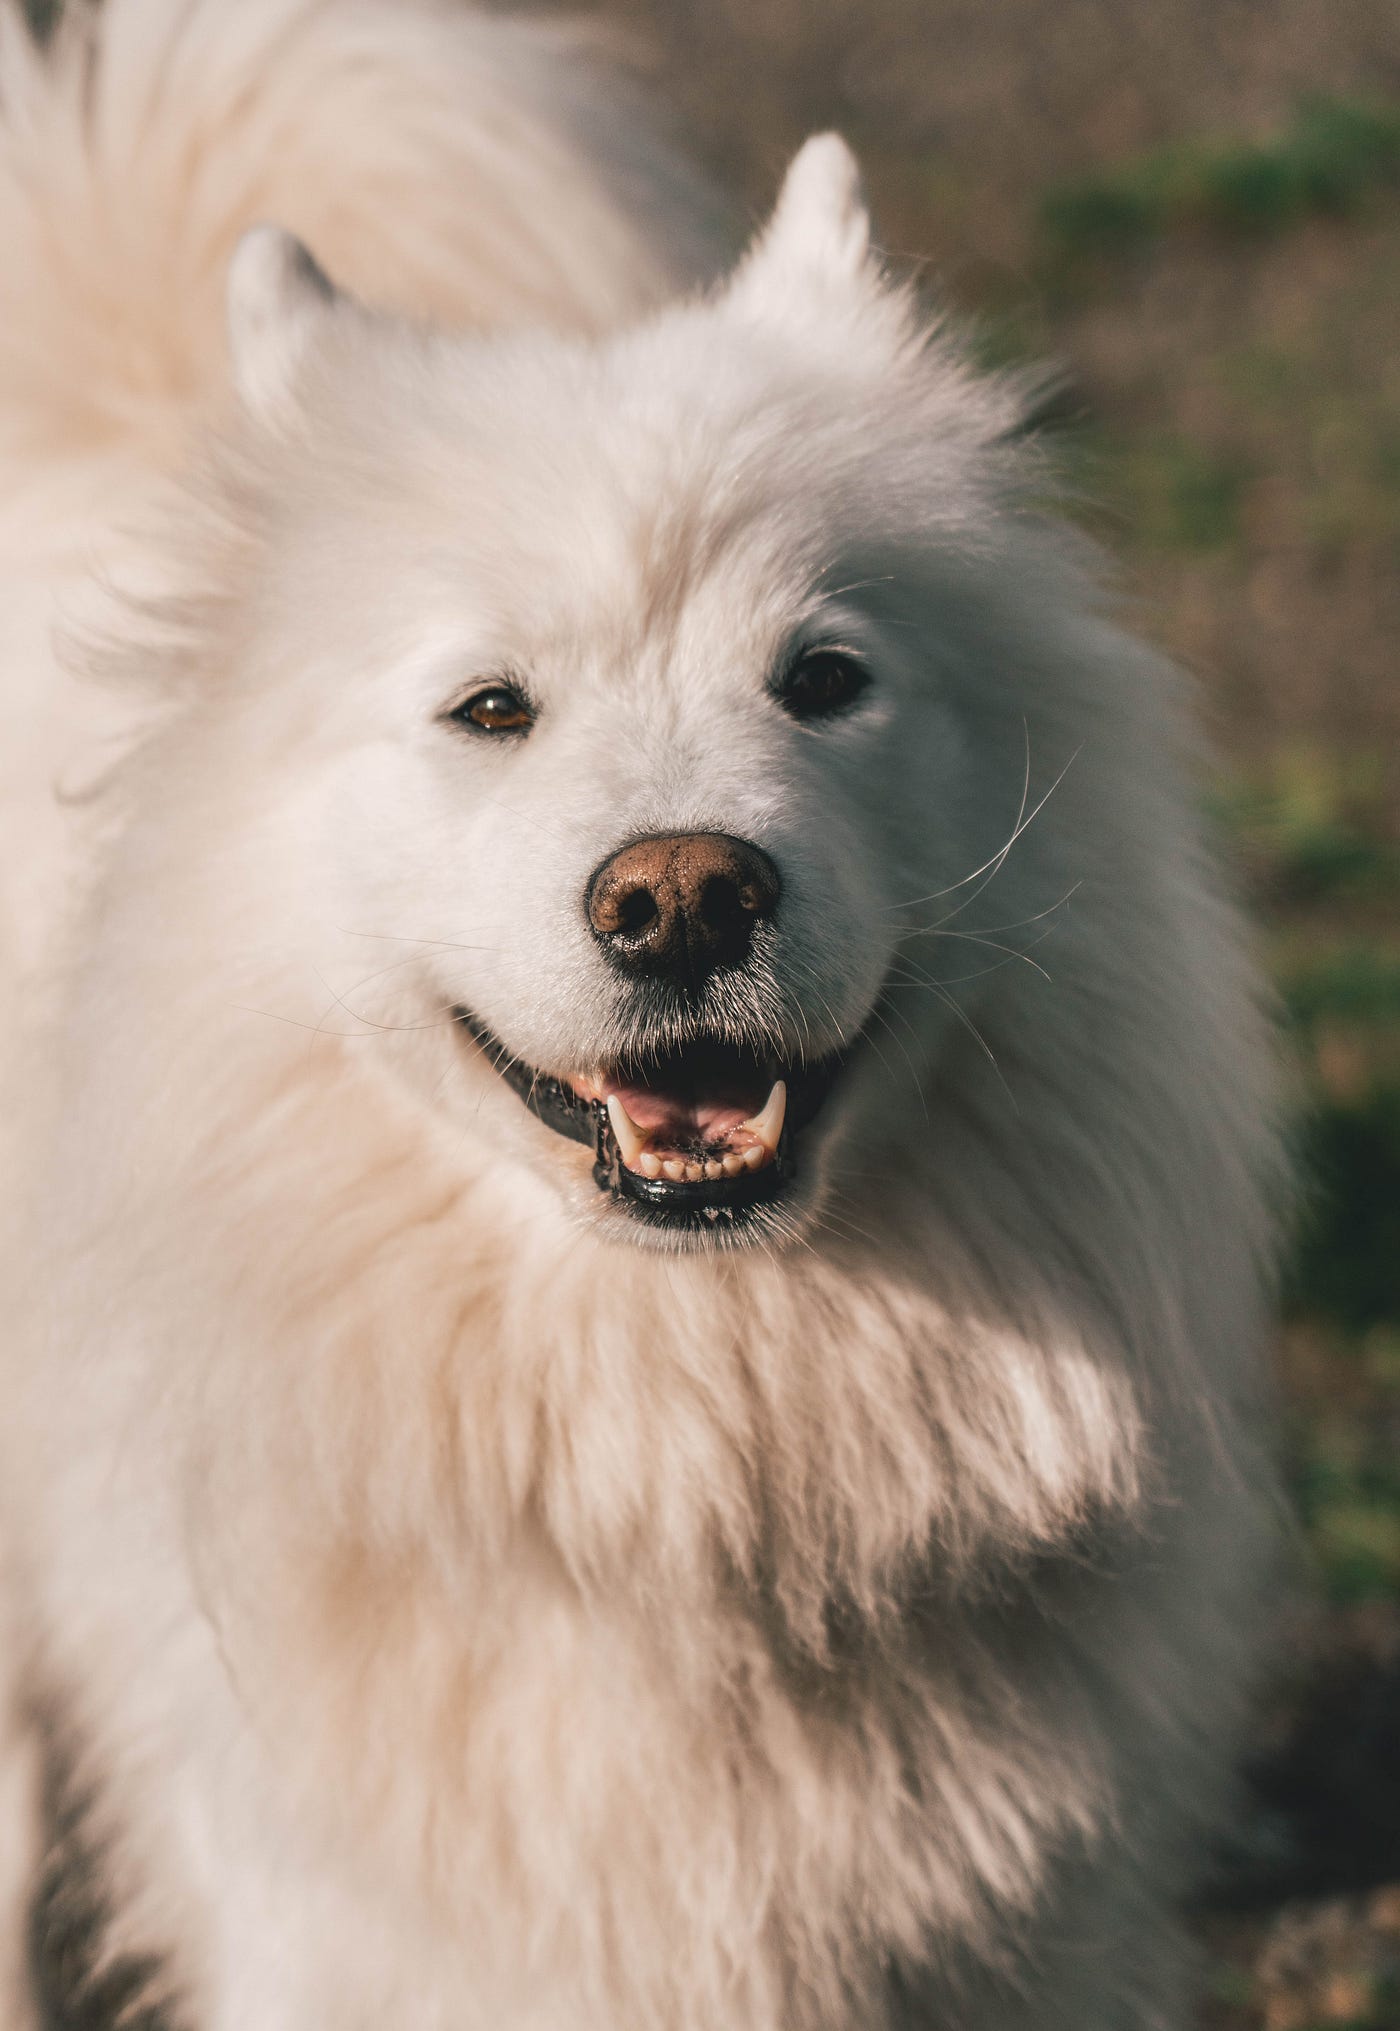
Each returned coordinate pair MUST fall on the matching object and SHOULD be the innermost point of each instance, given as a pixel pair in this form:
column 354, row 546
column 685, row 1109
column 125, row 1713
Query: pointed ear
column 818, row 239
column 820, row 221
column 277, row 297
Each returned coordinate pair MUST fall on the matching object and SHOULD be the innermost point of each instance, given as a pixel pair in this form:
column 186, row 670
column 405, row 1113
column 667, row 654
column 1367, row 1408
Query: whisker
column 1000, row 859
column 370, row 1033
column 511, row 811
column 1049, row 909
column 976, row 938
column 965, row 1019
column 881, row 1016
column 938, row 988
column 952, row 979
column 990, row 868
column 844, row 1229
column 914, row 902
column 855, row 585
column 400, row 938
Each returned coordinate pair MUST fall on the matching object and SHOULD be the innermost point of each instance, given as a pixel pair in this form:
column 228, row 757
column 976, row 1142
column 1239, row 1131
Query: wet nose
column 681, row 905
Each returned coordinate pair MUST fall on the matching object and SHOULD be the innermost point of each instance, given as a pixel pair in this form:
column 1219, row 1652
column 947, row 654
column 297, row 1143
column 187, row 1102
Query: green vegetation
column 1346, row 1481
column 1317, row 838
column 1312, row 827
column 1177, row 495
column 1327, row 160
column 1345, row 1263
column 1312, row 831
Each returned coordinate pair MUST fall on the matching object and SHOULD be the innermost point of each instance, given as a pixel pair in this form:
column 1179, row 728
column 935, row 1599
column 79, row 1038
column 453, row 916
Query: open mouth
column 698, row 1135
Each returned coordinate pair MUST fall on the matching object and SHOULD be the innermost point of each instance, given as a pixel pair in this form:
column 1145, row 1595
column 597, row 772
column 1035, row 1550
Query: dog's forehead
column 608, row 498
column 661, row 477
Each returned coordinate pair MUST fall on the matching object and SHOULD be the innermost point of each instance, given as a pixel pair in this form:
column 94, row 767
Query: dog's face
column 635, row 735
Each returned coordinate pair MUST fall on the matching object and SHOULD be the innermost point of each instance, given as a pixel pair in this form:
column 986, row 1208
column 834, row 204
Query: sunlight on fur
column 693, row 1465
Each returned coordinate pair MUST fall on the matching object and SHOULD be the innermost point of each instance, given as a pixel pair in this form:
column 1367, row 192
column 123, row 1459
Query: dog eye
column 498, row 709
column 821, row 684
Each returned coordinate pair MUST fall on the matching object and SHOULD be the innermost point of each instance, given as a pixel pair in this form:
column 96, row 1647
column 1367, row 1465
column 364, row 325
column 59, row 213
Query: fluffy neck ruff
column 474, row 1375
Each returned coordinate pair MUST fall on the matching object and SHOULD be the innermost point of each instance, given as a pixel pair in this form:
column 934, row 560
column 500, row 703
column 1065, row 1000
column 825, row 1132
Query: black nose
column 682, row 905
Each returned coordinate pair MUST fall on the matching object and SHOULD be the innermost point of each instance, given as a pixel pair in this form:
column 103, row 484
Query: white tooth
column 674, row 1169
column 732, row 1166
column 649, row 1164
column 694, row 1173
column 713, row 1168
column 757, row 1157
column 768, row 1126
column 630, row 1139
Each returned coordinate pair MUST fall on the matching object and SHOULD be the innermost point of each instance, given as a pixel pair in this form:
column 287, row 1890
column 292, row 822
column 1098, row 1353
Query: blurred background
column 1194, row 207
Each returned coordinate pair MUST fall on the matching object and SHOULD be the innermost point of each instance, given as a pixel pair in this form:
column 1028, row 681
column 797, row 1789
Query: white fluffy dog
column 639, row 1150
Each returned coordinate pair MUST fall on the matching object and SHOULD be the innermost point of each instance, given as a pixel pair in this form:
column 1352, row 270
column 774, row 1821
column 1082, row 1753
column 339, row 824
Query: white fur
column 465, row 1618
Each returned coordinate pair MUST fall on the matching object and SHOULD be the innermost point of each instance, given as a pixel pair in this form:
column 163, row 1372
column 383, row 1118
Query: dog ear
column 277, row 296
column 818, row 239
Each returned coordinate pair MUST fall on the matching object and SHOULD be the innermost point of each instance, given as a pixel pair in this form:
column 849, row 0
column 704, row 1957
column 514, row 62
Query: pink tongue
column 672, row 1121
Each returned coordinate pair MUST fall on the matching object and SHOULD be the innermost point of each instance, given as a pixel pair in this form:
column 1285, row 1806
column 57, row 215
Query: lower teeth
column 630, row 1141
column 697, row 1170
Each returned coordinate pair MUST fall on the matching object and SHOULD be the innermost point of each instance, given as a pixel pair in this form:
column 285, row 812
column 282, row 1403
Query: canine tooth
column 674, row 1169
column 630, row 1139
column 757, row 1157
column 649, row 1164
column 768, row 1126
column 713, row 1168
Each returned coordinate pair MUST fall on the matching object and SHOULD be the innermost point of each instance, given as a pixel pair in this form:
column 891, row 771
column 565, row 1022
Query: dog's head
column 655, row 710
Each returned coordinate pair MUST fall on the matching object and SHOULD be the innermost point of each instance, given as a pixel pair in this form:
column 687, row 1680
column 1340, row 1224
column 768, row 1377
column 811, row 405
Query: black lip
column 672, row 1203
column 664, row 1202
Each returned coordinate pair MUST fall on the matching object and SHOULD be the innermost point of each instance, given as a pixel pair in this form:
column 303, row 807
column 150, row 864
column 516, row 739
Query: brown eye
column 498, row 709
column 821, row 684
